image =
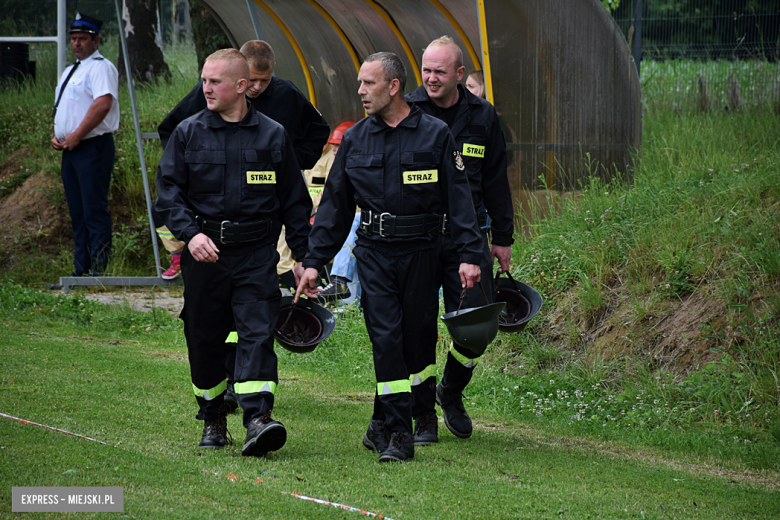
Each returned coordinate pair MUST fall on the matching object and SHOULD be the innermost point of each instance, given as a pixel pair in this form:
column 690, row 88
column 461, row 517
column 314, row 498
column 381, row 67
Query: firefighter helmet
column 474, row 328
column 309, row 325
column 335, row 137
column 522, row 303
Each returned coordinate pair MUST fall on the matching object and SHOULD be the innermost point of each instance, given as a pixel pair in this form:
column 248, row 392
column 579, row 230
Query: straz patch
column 421, row 176
column 473, row 150
column 261, row 177
column 315, row 190
column 459, row 161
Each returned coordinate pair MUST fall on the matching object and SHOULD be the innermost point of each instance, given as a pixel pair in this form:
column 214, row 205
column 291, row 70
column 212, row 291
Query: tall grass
column 699, row 223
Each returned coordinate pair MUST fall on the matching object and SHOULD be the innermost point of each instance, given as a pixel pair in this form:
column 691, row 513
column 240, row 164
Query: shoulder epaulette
column 99, row 58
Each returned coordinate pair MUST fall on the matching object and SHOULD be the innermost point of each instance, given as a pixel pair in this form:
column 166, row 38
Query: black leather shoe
column 374, row 438
column 263, row 435
column 399, row 449
column 335, row 290
column 426, row 430
column 455, row 417
column 231, row 401
column 215, row 434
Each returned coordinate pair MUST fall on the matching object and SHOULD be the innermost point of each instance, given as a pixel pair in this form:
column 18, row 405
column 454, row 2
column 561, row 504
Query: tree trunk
column 208, row 34
column 141, row 20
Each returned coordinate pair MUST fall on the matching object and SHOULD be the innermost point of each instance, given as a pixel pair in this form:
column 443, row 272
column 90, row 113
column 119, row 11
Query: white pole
column 62, row 36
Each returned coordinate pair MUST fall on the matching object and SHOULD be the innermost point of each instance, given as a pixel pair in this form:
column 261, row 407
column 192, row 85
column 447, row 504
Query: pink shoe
column 175, row 268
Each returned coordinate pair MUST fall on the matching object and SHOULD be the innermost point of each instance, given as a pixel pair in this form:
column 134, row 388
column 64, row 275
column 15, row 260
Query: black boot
column 231, row 400
column 215, row 434
column 455, row 416
column 426, row 430
column 399, row 449
column 263, row 435
column 374, row 438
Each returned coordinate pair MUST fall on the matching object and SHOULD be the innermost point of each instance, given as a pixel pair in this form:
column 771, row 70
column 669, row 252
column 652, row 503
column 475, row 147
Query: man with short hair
column 86, row 113
column 225, row 185
column 273, row 97
column 281, row 101
column 474, row 125
column 401, row 167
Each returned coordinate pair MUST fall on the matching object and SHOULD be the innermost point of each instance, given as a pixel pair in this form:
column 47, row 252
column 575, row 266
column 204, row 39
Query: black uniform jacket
column 280, row 101
column 237, row 172
column 379, row 168
column 480, row 140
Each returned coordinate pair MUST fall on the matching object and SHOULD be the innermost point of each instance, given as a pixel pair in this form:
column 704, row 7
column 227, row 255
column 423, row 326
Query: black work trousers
column 241, row 284
column 456, row 375
column 398, row 294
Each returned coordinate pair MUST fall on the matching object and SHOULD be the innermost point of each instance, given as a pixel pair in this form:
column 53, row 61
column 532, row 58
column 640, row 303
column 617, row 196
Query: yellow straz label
column 473, row 150
column 261, row 177
column 421, row 176
column 315, row 190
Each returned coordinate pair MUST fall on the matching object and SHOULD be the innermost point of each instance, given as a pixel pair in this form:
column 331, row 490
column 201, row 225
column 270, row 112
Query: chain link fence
column 705, row 54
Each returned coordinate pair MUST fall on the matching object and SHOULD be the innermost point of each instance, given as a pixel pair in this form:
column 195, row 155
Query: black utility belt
column 388, row 226
column 482, row 219
column 226, row 232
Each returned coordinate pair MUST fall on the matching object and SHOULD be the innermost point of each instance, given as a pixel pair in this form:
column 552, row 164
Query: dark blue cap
column 87, row 24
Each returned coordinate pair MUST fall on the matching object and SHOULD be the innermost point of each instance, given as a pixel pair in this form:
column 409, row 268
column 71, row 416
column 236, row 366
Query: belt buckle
column 443, row 223
column 366, row 226
column 382, row 224
column 222, row 230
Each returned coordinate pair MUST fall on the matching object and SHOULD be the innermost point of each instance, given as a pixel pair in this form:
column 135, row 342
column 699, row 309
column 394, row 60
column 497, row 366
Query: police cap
column 87, row 24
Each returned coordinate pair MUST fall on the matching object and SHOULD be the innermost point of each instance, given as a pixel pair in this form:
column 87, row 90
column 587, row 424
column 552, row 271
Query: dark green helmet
column 474, row 328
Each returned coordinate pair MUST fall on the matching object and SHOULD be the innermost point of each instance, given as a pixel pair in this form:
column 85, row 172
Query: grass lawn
column 121, row 377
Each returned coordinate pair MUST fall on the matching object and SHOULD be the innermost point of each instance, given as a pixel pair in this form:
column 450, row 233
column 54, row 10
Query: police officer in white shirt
column 86, row 113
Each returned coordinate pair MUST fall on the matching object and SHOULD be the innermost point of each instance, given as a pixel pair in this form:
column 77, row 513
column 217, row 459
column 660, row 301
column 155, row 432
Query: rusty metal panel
column 422, row 22
column 565, row 89
column 332, row 70
column 369, row 33
column 235, row 16
column 564, row 84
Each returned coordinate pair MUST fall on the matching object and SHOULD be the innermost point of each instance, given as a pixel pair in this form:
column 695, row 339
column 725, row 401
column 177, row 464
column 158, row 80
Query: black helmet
column 309, row 325
column 522, row 303
column 476, row 327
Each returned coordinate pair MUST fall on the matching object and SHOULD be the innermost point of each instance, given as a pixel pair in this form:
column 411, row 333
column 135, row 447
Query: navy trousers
column 399, row 295
column 86, row 176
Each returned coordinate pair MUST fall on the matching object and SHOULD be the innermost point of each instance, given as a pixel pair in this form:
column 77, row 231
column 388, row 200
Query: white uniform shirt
column 95, row 77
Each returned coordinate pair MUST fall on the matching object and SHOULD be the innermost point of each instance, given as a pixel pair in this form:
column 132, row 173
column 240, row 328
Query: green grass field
column 121, row 377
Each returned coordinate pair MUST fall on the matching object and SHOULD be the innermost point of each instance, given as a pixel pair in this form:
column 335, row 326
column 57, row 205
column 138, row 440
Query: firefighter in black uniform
column 281, row 101
column 401, row 167
column 474, row 125
column 226, row 183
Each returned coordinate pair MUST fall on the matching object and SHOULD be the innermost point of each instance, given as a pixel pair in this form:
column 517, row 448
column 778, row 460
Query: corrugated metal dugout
column 559, row 72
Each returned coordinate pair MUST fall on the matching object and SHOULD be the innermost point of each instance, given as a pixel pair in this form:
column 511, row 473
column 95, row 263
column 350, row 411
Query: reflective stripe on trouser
column 397, row 289
column 243, row 284
column 210, row 393
column 253, row 387
column 170, row 243
column 420, row 377
column 424, row 391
